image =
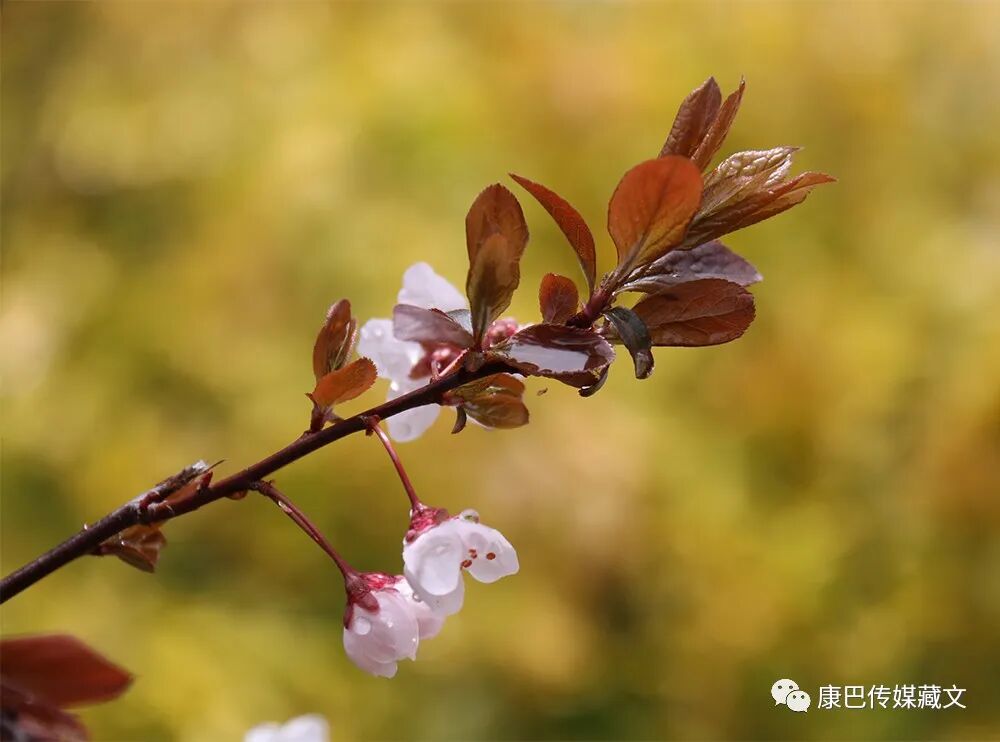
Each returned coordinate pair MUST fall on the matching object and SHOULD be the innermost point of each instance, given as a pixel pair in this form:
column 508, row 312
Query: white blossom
column 394, row 359
column 376, row 640
column 308, row 728
column 434, row 560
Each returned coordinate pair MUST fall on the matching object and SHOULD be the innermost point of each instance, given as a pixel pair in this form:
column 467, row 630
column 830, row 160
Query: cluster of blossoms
column 388, row 615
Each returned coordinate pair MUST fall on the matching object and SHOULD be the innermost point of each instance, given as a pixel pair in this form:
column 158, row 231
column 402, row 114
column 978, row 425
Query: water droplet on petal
column 361, row 626
column 469, row 515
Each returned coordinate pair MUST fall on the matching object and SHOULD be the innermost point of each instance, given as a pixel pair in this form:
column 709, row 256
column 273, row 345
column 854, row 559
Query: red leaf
column 710, row 260
column 496, row 236
column 706, row 312
column 138, row 546
column 27, row 717
column 784, row 197
column 61, row 669
column 428, row 326
column 495, row 211
column 694, row 119
column 495, row 401
column 717, row 132
column 574, row 356
column 737, row 201
column 558, row 298
column 335, row 339
column 345, row 383
column 744, row 174
column 651, row 208
column 570, row 222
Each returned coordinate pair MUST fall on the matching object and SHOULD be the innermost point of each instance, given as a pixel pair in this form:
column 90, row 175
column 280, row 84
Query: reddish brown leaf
column 345, row 383
column 570, row 222
column 558, row 298
column 60, row 670
column 710, row 260
column 694, row 119
column 750, row 203
column 495, row 401
column 495, row 211
column 27, row 717
column 574, row 356
column 428, row 326
column 138, row 546
column 496, row 236
column 633, row 334
column 744, row 174
column 705, row 312
column 493, row 277
column 784, row 197
column 651, row 208
column 719, row 129
column 335, row 339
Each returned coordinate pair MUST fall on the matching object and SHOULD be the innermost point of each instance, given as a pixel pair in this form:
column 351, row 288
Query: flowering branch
column 141, row 510
column 443, row 347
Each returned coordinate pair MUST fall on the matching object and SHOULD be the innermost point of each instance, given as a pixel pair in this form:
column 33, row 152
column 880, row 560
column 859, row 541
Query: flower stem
column 376, row 428
column 302, row 521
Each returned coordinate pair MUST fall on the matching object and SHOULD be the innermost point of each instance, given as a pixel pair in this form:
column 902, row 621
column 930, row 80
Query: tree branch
column 149, row 508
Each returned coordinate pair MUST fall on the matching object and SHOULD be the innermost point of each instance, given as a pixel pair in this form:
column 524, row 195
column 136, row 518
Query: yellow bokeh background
column 187, row 187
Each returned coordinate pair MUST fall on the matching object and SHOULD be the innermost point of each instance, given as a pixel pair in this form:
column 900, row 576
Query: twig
column 133, row 512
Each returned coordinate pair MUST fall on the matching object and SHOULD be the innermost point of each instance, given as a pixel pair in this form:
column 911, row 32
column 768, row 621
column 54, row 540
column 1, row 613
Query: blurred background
column 187, row 187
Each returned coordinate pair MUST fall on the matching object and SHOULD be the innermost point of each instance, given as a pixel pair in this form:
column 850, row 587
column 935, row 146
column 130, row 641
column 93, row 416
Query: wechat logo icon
column 787, row 692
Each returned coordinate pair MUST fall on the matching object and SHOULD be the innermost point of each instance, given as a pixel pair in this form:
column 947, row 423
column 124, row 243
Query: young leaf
column 495, row 211
column 493, row 277
column 706, row 312
column 693, row 120
column 335, row 339
column 717, row 132
column 573, row 356
column 788, row 194
column 138, row 546
column 557, row 298
column 710, row 260
column 634, row 336
column 744, row 174
column 344, row 384
column 428, row 326
column 61, row 670
column 750, row 206
column 570, row 222
column 495, row 401
column 496, row 236
column 650, row 209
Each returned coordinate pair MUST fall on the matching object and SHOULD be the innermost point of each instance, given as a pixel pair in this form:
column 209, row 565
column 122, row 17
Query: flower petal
column 308, row 728
column 356, row 650
column 422, row 287
column 393, row 358
column 429, row 619
column 433, row 561
column 491, row 554
column 411, row 424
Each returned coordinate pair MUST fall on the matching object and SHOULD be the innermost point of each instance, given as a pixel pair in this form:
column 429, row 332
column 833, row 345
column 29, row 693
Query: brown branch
column 149, row 507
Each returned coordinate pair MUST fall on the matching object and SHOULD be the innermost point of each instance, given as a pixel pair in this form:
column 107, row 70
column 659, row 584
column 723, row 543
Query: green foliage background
column 187, row 187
